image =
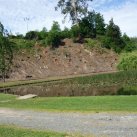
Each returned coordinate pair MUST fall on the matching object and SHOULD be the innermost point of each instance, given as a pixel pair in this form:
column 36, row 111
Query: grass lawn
column 79, row 104
column 11, row 131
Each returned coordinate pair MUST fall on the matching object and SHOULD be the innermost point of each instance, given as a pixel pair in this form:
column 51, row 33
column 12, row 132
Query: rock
column 27, row 96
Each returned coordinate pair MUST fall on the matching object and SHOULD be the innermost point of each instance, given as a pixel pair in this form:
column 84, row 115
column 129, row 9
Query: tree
column 66, row 33
column 55, row 27
column 100, row 24
column 54, row 35
column 75, row 8
column 42, row 34
column 113, row 37
column 6, row 54
column 87, row 26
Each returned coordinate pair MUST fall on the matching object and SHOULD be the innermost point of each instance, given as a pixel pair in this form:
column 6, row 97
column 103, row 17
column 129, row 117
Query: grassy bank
column 121, row 78
column 10, row 131
column 78, row 104
column 13, row 131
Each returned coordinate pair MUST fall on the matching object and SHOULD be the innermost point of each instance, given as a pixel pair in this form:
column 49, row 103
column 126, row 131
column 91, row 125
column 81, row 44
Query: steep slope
column 72, row 58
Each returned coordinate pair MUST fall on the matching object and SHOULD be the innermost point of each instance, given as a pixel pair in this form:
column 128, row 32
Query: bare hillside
column 72, row 58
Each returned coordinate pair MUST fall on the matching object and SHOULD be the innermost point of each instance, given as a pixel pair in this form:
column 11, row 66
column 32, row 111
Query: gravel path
column 99, row 124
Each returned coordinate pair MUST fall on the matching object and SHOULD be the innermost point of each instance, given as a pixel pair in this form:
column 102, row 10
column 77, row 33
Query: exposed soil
column 98, row 124
column 70, row 59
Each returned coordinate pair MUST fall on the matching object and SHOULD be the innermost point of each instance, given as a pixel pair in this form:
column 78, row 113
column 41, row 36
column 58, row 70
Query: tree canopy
column 74, row 8
column 5, row 53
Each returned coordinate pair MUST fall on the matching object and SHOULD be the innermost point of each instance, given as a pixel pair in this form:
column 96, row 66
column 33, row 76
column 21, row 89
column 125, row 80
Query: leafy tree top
column 74, row 8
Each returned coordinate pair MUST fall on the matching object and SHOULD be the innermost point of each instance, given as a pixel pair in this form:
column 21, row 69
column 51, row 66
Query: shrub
column 31, row 35
column 92, row 43
column 53, row 39
column 127, row 91
column 129, row 44
column 128, row 61
column 65, row 33
column 75, row 31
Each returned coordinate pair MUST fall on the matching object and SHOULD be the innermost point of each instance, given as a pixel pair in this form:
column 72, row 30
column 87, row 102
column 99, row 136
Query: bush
column 129, row 44
column 128, row 61
column 53, row 39
column 65, row 33
column 92, row 43
column 75, row 31
column 32, row 35
column 127, row 91
column 23, row 44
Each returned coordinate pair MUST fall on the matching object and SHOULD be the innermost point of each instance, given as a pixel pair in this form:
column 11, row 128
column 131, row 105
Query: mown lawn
column 79, row 104
column 11, row 131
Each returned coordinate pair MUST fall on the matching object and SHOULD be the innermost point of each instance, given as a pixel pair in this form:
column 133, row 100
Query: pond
column 57, row 90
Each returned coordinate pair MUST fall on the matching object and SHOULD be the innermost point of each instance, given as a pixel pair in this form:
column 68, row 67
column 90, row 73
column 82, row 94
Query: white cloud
column 42, row 14
column 125, row 16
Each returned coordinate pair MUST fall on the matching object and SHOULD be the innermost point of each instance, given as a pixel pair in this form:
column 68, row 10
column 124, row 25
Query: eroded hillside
column 70, row 59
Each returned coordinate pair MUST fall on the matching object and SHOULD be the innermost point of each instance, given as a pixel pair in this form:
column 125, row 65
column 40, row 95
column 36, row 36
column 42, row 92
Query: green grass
column 11, row 131
column 78, row 104
column 121, row 78
column 118, row 78
column 4, row 97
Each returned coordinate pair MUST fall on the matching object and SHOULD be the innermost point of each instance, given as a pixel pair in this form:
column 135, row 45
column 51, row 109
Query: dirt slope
column 72, row 58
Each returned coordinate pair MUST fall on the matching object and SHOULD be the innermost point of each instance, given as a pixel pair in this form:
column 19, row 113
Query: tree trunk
column 74, row 5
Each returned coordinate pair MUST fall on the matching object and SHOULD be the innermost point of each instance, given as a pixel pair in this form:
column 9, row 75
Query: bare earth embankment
column 70, row 59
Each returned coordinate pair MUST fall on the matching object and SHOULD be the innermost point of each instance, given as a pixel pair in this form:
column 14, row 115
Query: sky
column 41, row 13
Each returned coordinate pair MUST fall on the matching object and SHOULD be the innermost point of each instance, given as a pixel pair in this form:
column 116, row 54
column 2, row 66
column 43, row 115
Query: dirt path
column 99, row 124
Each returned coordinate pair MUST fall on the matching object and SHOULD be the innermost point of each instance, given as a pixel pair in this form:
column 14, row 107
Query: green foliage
column 66, row 33
column 78, row 104
column 55, row 27
column 128, row 61
column 100, row 24
column 134, row 41
column 54, row 35
column 75, row 9
column 53, row 39
column 23, row 45
column 32, row 35
column 87, row 26
column 129, row 44
column 123, row 78
column 42, row 34
column 92, row 43
column 12, row 131
column 35, row 35
column 127, row 91
column 6, row 54
column 75, row 31
column 113, row 37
